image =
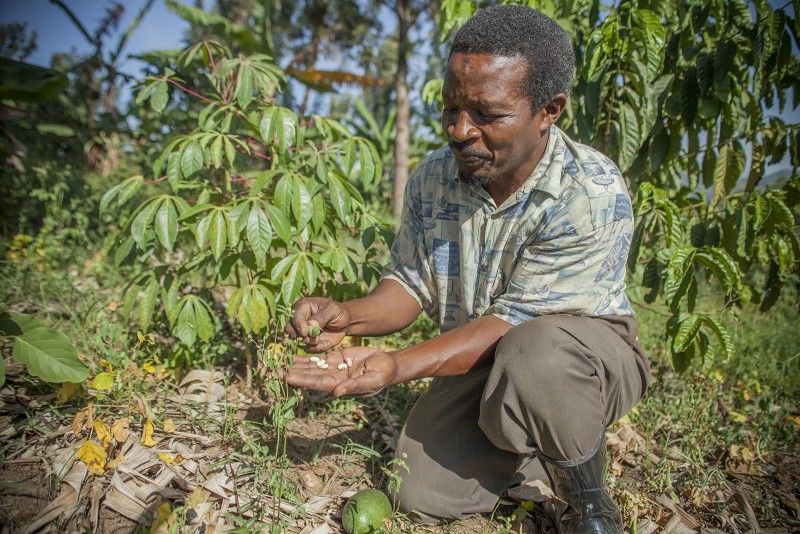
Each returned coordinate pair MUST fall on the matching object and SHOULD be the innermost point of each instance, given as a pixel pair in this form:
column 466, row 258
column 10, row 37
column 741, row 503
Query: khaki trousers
column 556, row 382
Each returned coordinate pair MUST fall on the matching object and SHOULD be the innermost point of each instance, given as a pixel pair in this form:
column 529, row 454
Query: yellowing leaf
column 113, row 464
column 103, row 432
column 718, row 376
column 737, row 417
column 94, row 456
column 747, row 455
column 147, row 434
column 148, row 367
column 170, row 460
column 163, row 512
column 103, row 381
column 66, row 391
column 794, row 419
column 169, row 426
column 107, row 365
column 198, row 497
column 83, row 419
column 121, row 430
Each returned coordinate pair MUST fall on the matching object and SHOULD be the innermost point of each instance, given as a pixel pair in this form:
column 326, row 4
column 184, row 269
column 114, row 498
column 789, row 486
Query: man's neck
column 504, row 187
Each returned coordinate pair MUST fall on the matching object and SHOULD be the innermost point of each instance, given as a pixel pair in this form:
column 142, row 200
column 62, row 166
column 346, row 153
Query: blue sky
column 160, row 29
column 56, row 33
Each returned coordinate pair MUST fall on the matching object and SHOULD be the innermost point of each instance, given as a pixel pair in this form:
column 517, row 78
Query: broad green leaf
column 160, row 97
column 722, row 335
column 166, row 223
column 103, row 382
column 218, row 233
column 191, row 158
column 141, row 229
column 279, row 223
column 340, row 200
column 257, row 309
column 302, row 207
column 686, row 333
column 186, row 326
column 292, row 285
column 123, row 191
column 259, row 233
column 629, row 131
column 48, row 354
column 215, row 152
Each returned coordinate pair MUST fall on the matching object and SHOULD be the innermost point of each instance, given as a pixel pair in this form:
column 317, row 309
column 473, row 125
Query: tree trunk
column 403, row 123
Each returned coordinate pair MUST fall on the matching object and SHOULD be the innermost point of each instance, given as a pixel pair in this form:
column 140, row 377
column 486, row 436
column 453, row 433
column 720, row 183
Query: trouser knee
column 544, row 394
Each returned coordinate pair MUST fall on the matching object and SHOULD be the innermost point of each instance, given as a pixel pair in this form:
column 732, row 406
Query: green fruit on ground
column 365, row 512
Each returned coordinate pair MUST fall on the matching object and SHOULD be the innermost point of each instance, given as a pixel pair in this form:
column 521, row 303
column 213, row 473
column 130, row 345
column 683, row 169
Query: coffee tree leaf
column 687, row 331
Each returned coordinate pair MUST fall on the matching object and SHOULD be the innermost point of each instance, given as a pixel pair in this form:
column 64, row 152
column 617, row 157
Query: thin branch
column 76, row 21
column 131, row 29
column 189, row 91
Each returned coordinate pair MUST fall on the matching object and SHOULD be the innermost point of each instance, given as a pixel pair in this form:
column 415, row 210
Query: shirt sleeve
column 573, row 268
column 409, row 263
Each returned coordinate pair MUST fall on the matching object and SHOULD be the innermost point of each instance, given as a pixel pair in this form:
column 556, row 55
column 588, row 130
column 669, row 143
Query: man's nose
column 462, row 128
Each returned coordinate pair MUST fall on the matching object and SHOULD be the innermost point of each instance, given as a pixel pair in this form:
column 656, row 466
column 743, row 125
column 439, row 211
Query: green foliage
column 47, row 354
column 678, row 93
column 249, row 210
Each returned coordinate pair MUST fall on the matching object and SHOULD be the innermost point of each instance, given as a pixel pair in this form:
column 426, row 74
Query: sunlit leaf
column 121, row 429
column 103, row 381
column 147, row 434
column 94, row 456
column 103, row 432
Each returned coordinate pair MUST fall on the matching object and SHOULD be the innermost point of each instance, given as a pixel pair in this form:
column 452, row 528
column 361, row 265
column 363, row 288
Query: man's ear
column 552, row 110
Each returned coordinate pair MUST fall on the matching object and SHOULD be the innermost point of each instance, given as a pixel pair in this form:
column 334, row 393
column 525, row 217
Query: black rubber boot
column 581, row 485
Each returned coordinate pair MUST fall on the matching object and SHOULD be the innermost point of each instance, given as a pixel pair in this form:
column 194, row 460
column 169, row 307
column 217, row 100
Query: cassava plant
column 690, row 97
column 250, row 210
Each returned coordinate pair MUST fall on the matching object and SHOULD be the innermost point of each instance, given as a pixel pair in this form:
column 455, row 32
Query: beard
column 480, row 177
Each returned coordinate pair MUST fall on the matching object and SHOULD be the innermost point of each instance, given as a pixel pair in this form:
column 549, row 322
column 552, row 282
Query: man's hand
column 362, row 371
column 329, row 318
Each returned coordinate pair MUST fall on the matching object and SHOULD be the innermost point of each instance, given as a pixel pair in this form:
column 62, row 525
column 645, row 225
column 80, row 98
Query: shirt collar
column 546, row 176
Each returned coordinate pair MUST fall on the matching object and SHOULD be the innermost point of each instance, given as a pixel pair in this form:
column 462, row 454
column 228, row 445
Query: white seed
column 321, row 363
column 313, row 359
column 324, row 366
column 342, row 366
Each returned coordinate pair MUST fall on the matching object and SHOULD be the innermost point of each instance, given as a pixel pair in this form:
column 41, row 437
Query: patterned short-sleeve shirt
column 559, row 244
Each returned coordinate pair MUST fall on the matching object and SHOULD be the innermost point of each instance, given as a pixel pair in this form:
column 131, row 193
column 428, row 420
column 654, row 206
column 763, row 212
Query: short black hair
column 519, row 31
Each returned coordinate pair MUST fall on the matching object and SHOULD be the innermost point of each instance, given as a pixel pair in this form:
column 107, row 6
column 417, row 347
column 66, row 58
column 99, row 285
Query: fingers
column 297, row 327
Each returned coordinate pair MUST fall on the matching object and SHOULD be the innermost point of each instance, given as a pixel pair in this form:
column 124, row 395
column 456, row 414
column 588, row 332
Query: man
column 514, row 238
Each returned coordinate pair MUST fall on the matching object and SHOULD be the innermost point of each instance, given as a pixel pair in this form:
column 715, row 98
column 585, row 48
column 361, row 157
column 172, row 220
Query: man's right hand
column 330, row 316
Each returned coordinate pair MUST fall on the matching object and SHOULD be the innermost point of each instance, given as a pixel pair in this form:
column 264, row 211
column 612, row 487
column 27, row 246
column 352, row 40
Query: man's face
column 488, row 120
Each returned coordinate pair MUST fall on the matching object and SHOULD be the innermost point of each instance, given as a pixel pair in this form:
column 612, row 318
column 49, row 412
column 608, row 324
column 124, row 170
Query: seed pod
column 314, row 331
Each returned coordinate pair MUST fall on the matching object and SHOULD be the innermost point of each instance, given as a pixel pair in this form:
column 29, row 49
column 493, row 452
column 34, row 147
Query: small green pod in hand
column 314, row 331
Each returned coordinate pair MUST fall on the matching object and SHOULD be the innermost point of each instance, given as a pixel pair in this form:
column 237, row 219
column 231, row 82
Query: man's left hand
column 365, row 372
